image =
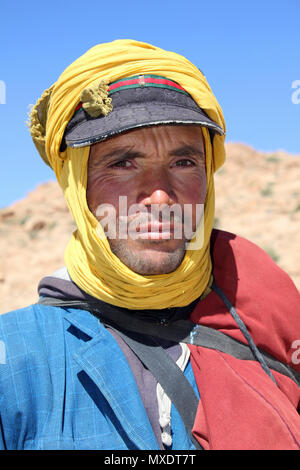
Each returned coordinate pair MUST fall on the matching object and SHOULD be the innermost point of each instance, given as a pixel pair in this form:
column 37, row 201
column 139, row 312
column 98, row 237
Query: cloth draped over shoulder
column 89, row 260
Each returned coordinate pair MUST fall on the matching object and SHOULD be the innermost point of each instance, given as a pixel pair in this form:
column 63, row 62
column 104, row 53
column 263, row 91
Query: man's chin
column 150, row 257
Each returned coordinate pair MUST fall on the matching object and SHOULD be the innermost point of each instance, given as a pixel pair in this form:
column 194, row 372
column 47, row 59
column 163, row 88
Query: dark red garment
column 240, row 406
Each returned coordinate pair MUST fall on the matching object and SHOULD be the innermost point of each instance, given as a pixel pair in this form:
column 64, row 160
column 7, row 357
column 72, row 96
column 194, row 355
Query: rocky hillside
column 257, row 196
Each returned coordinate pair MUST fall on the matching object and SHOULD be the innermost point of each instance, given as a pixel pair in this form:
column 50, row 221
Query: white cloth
column 164, row 402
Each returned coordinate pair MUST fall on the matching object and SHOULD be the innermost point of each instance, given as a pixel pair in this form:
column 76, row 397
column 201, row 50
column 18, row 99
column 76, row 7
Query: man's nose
column 157, row 189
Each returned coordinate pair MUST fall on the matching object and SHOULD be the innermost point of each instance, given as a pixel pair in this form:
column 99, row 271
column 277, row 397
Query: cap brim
column 126, row 118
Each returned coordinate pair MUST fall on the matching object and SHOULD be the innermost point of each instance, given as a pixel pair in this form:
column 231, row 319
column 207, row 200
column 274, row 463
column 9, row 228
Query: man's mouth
column 154, row 231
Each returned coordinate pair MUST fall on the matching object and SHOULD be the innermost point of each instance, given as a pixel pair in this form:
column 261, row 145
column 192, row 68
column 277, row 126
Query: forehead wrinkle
column 187, row 149
column 127, row 150
column 121, row 152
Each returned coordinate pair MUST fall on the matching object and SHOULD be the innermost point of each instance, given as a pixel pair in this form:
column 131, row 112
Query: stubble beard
column 149, row 258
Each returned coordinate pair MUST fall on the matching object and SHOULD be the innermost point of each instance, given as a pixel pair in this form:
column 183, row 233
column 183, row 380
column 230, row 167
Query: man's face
column 159, row 166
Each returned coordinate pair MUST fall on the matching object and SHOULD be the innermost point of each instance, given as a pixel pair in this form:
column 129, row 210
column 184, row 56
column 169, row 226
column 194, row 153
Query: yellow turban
column 89, row 260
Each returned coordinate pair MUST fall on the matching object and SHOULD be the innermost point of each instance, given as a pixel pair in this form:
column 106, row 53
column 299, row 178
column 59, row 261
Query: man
column 160, row 332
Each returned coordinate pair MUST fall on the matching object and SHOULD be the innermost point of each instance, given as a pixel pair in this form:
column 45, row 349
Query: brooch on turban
column 95, row 99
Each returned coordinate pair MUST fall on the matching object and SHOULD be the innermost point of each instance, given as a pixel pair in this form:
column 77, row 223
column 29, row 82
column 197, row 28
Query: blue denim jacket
column 66, row 384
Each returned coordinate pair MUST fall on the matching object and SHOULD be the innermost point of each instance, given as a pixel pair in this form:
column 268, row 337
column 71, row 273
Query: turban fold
column 89, row 260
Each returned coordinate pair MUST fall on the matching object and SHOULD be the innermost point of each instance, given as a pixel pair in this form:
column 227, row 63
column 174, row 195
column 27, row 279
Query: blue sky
column 248, row 50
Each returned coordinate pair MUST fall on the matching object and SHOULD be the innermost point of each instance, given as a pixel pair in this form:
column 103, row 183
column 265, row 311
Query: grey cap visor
column 97, row 130
column 134, row 109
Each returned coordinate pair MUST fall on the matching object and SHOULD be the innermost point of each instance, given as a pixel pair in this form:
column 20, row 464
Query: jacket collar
column 104, row 362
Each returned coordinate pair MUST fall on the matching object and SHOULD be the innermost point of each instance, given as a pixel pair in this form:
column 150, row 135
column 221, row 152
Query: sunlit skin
column 153, row 165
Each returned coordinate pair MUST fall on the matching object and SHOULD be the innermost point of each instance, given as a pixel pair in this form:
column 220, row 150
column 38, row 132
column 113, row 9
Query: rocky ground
column 257, row 196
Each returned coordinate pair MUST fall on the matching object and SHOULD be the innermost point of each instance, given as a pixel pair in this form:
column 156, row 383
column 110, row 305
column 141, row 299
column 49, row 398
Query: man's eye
column 184, row 162
column 121, row 164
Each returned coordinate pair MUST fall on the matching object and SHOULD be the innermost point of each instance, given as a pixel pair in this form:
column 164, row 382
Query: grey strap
column 213, row 339
column 169, row 376
column 256, row 353
column 183, row 331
